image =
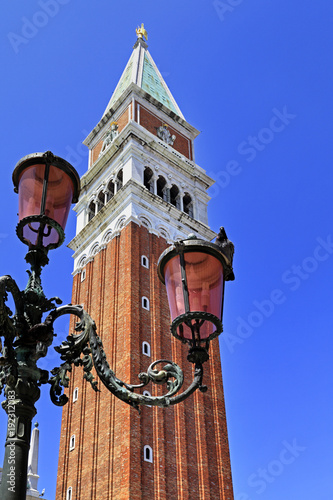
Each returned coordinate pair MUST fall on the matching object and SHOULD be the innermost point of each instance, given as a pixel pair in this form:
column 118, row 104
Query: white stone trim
column 162, row 231
column 186, row 167
column 82, row 261
column 120, row 224
column 107, row 236
column 134, row 204
column 145, row 222
column 95, row 249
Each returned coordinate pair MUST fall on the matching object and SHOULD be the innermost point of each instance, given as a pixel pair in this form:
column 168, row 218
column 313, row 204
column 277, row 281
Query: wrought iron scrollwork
column 27, row 337
column 83, row 348
column 90, row 345
column 71, row 352
column 9, row 326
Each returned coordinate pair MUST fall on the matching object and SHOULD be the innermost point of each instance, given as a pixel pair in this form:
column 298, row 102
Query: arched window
column 83, row 275
column 75, row 394
column 110, row 191
column 148, row 180
column 72, row 443
column 162, row 189
column 147, row 454
column 144, row 261
column 174, row 196
column 91, row 210
column 119, row 179
column 100, row 200
column 146, row 348
column 188, row 204
column 145, row 303
column 69, row 493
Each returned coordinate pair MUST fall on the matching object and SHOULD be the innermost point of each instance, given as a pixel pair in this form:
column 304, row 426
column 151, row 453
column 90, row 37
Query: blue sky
column 255, row 78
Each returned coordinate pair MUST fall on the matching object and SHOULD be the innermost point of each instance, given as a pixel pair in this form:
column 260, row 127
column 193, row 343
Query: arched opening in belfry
column 148, row 179
column 91, row 210
column 119, row 179
column 162, row 189
column 174, row 196
column 110, row 191
column 188, row 204
column 100, row 200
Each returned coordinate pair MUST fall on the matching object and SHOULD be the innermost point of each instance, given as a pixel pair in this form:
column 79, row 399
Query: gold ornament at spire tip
column 141, row 32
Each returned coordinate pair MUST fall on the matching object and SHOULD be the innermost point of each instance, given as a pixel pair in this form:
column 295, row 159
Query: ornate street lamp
column 193, row 270
column 47, row 185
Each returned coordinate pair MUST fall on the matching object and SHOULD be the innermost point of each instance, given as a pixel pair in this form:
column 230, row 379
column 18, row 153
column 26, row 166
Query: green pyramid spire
column 142, row 70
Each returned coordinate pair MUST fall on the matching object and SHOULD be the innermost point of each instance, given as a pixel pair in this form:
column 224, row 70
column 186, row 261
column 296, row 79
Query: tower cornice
column 145, row 141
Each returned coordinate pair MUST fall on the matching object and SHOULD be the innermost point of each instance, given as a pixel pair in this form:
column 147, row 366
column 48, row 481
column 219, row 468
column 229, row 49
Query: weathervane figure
column 141, row 32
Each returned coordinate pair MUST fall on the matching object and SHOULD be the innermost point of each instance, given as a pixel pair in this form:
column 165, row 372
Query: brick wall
column 189, row 441
column 122, row 121
column 151, row 122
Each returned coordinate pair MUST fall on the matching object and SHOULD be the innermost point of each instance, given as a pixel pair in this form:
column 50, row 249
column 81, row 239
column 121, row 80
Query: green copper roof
column 152, row 84
column 123, row 82
column 142, row 70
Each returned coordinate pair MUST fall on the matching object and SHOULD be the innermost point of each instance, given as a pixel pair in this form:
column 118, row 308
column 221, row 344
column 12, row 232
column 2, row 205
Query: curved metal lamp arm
column 7, row 284
column 70, row 352
column 196, row 384
column 9, row 328
column 89, row 343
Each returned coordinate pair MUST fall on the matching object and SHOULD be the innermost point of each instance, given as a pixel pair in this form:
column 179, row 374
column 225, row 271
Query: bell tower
column 142, row 191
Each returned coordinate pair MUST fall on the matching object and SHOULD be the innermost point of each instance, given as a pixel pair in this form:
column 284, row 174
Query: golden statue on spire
column 141, row 32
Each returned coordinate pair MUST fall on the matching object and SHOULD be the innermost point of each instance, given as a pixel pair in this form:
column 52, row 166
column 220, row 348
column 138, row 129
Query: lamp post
column 193, row 271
